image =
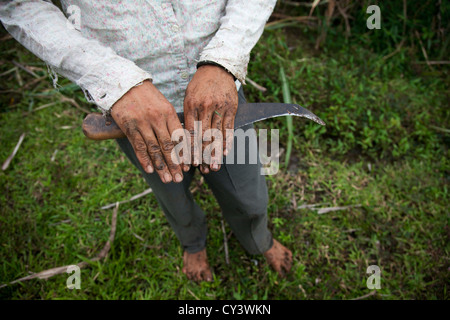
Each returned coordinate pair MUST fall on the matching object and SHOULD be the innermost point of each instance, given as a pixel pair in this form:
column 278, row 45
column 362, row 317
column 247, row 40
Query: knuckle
column 130, row 126
column 140, row 146
column 153, row 147
column 159, row 163
column 166, row 145
column 144, row 159
column 189, row 102
column 207, row 103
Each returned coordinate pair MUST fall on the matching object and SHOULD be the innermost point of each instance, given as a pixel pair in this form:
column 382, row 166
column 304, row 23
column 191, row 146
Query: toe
column 206, row 275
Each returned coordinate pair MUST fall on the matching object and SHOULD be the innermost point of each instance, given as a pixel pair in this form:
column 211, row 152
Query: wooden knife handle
column 95, row 128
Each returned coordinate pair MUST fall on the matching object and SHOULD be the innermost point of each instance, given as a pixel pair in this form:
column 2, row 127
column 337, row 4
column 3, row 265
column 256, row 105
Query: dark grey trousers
column 240, row 190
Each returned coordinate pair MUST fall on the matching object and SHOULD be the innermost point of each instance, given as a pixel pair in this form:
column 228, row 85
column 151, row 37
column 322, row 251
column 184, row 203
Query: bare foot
column 279, row 257
column 196, row 267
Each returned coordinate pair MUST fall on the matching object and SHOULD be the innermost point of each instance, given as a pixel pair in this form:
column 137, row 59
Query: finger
column 228, row 131
column 217, row 141
column 178, row 136
column 166, row 144
column 139, row 146
column 206, row 118
column 156, row 155
column 190, row 122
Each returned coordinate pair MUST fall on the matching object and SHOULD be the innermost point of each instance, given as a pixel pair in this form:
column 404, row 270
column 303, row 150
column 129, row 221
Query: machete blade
column 95, row 127
column 253, row 112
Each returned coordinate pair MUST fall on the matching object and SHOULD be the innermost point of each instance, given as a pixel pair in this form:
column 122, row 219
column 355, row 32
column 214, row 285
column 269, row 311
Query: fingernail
column 186, row 168
column 215, row 166
column 149, row 169
column 206, row 169
column 167, row 177
column 178, row 177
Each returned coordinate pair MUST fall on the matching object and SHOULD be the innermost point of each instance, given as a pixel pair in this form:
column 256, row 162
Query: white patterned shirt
column 107, row 47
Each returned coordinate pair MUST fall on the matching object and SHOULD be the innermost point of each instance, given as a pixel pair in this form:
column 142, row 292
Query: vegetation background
column 383, row 158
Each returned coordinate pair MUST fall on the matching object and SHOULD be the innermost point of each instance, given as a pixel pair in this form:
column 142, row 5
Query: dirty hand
column 148, row 120
column 211, row 97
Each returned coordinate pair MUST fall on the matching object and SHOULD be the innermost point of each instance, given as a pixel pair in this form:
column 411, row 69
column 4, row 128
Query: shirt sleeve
column 240, row 29
column 43, row 29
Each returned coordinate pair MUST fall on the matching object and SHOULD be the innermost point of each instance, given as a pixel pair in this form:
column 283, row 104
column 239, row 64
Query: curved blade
column 253, row 112
column 95, row 127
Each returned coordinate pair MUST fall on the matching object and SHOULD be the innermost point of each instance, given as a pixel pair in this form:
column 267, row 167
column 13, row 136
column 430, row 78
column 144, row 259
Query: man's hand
column 211, row 97
column 148, row 120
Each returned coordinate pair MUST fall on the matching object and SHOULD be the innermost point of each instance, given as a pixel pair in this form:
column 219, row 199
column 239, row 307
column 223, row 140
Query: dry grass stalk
column 44, row 106
column 73, row 103
column 432, row 62
column 397, row 50
column 13, row 154
column 372, row 293
column 343, row 12
column 25, row 68
column 149, row 190
column 254, row 84
column 313, row 6
column 423, row 49
column 328, row 15
column 52, row 159
column 302, row 4
column 331, row 209
column 59, row 270
column 6, row 37
column 225, row 243
column 298, row 19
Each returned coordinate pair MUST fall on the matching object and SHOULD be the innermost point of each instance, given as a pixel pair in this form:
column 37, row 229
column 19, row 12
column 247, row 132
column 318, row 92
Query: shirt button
column 175, row 28
column 184, row 75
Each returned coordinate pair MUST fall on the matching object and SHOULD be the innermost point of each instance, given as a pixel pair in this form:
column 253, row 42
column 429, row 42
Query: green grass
column 380, row 150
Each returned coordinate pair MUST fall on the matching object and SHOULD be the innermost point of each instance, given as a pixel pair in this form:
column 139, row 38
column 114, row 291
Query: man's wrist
column 212, row 63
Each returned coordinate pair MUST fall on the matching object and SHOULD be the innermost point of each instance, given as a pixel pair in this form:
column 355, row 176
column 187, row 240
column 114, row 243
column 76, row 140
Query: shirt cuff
column 117, row 79
column 235, row 64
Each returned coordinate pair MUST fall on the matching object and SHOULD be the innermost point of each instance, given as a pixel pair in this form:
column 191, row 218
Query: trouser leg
column 183, row 214
column 242, row 194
